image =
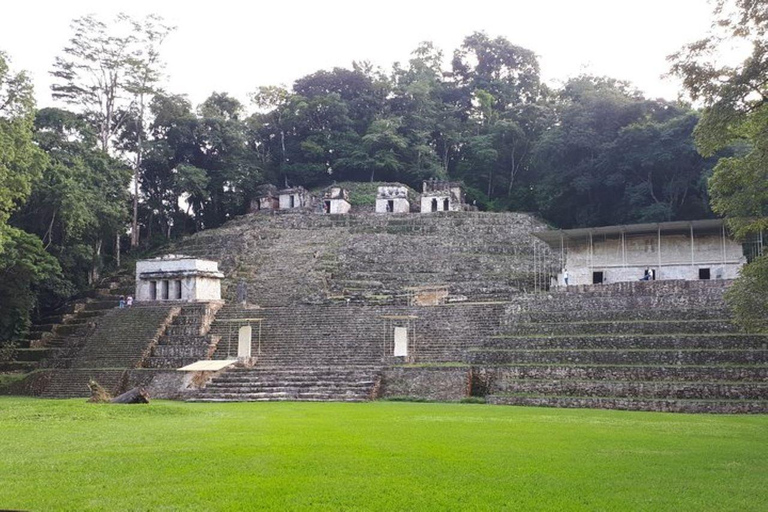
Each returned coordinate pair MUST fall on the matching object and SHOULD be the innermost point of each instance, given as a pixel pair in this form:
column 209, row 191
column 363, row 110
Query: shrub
column 748, row 296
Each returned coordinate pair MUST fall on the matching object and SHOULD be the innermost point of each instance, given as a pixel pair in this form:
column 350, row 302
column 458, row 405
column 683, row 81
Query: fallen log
column 134, row 396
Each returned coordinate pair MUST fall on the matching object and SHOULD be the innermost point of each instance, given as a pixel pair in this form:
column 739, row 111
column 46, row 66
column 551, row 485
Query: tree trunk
column 117, row 249
column 511, row 173
column 139, row 154
column 134, row 396
column 95, row 263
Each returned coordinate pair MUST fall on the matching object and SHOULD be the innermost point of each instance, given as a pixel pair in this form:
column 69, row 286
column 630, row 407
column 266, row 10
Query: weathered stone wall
column 357, row 334
column 431, row 383
column 290, row 258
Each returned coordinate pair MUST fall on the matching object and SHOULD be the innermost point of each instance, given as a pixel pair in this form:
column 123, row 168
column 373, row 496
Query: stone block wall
column 289, row 259
column 446, row 384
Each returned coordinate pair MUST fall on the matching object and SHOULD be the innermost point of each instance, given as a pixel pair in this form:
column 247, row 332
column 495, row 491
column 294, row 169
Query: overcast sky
column 236, row 46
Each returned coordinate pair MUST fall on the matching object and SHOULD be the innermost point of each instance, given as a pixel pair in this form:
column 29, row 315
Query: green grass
column 374, row 456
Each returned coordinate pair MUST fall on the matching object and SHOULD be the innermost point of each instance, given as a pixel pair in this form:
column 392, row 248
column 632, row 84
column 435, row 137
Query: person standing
column 565, row 276
column 121, row 302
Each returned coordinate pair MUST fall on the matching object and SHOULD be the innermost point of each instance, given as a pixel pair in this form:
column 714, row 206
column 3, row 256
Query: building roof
column 554, row 236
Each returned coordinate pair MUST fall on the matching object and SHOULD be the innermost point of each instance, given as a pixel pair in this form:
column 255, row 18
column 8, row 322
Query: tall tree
column 735, row 116
column 21, row 161
column 109, row 71
column 143, row 84
column 736, row 110
column 80, row 199
column 24, row 265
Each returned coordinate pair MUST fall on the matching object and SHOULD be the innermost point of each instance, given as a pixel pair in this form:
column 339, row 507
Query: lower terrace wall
column 446, row 384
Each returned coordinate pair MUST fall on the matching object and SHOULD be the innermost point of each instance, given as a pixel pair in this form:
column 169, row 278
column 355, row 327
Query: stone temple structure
column 392, row 199
column 336, row 200
column 686, row 250
column 294, row 198
column 441, row 307
column 441, row 196
column 178, row 278
column 265, row 199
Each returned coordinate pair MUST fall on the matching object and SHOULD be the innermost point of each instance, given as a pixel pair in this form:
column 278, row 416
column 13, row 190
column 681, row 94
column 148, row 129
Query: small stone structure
column 441, row 196
column 688, row 250
column 392, row 199
column 265, row 199
column 294, row 198
column 178, row 278
column 336, row 200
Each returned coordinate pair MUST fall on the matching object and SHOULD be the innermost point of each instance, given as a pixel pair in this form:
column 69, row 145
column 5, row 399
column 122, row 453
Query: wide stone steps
column 696, row 357
column 611, row 313
column 173, row 351
column 31, row 354
column 170, row 362
column 712, row 326
column 339, row 383
column 676, row 373
column 639, row 404
column 73, row 383
column 577, row 341
column 639, row 389
column 303, row 396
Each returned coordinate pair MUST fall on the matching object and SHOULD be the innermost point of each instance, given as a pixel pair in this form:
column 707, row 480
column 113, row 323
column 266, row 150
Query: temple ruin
column 392, row 199
column 178, row 278
column 294, row 198
column 266, row 198
column 439, row 307
column 336, row 200
column 683, row 250
column 441, row 196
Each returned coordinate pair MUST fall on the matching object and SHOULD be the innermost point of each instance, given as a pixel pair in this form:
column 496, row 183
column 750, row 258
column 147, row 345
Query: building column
column 658, row 249
column 693, row 256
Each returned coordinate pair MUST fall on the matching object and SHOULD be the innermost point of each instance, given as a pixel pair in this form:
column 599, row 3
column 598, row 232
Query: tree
column 94, row 71
column 508, row 73
column 110, row 71
column 143, row 83
column 735, row 117
column 80, row 199
column 24, row 265
column 614, row 157
column 21, row 162
column 736, row 111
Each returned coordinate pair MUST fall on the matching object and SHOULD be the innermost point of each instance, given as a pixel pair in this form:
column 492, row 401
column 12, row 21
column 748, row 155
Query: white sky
column 231, row 46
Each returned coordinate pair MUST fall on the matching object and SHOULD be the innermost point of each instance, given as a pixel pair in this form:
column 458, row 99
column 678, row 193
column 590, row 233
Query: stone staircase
column 186, row 339
column 334, row 351
column 117, row 341
column 666, row 346
column 53, row 334
column 297, row 383
column 367, row 258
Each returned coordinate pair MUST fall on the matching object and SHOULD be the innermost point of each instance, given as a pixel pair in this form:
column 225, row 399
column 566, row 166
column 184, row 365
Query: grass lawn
column 57, row 455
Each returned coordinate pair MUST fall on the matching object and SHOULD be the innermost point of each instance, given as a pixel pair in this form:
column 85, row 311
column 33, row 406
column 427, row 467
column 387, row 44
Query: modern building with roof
column 688, row 250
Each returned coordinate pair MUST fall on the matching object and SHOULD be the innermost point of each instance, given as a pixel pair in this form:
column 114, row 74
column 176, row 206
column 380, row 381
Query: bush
column 748, row 296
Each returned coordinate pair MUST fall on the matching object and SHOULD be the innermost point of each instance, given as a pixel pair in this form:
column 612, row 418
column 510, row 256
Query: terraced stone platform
column 289, row 258
column 635, row 346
